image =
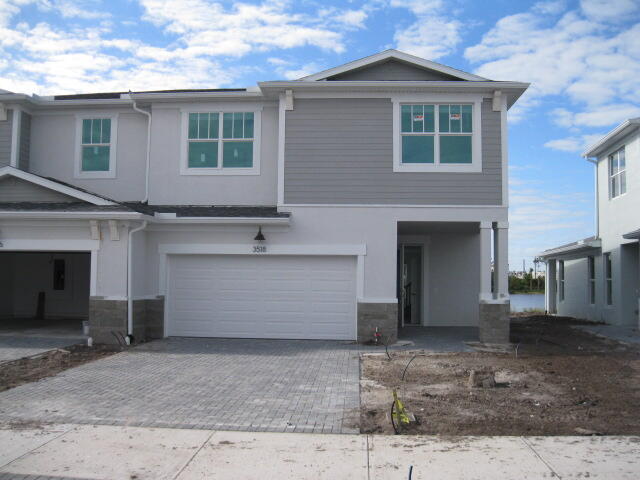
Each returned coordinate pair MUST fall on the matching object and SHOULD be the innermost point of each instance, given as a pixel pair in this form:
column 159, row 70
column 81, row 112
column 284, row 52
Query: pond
column 526, row 301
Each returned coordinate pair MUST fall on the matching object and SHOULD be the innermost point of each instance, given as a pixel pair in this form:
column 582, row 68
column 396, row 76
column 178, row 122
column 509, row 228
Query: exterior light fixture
column 259, row 237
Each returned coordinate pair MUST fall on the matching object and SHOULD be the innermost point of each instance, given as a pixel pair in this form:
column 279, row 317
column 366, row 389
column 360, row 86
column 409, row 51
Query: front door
column 410, row 284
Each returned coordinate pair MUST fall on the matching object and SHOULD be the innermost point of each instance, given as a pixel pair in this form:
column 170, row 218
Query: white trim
column 15, row 137
column 21, row 214
column 281, row 145
column 388, row 55
column 376, row 300
column 221, row 110
column 55, row 186
column 615, row 135
column 225, row 220
column 384, row 205
column 54, row 245
column 93, row 274
column 436, row 99
column 113, row 145
column 504, row 149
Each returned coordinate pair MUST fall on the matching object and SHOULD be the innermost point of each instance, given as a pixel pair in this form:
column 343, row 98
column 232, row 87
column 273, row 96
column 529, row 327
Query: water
column 521, row 302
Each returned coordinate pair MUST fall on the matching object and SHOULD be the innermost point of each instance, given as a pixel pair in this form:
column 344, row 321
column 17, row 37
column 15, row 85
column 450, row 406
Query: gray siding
column 17, row 190
column 392, row 70
column 340, row 151
column 5, row 140
column 25, row 141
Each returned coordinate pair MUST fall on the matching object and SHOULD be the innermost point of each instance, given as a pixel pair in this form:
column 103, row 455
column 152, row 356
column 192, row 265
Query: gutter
column 146, row 175
column 129, row 337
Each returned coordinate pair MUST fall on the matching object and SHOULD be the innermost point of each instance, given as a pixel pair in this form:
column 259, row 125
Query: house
column 360, row 198
column 597, row 278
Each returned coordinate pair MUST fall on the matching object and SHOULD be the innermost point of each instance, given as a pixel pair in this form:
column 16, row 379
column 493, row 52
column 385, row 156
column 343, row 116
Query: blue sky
column 582, row 58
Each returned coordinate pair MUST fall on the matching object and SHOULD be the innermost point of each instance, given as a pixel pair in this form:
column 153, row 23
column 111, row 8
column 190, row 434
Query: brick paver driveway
column 226, row 384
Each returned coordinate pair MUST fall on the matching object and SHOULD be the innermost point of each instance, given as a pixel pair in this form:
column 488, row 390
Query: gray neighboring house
column 372, row 195
column 598, row 278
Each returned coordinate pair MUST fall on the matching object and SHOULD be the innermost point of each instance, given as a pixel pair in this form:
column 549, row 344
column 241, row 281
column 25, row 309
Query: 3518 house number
column 259, row 249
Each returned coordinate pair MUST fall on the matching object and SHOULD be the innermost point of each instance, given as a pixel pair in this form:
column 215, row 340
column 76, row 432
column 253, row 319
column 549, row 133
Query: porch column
column 493, row 321
column 501, row 261
column 550, row 286
column 485, row 261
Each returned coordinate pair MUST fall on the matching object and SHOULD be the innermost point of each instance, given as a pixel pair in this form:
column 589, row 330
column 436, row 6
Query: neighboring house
column 598, row 278
column 304, row 209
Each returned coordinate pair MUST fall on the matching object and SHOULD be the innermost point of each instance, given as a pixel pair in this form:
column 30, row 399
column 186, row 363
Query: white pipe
column 146, row 176
column 142, row 226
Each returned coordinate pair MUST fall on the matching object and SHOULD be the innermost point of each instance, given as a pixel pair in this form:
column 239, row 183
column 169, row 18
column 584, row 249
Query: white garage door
column 309, row 297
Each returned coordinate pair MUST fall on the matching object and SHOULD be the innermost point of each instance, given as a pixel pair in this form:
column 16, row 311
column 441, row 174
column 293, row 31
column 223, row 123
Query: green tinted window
column 203, row 154
column 203, row 126
column 95, row 158
column 237, row 155
column 237, row 125
column 106, row 130
column 96, row 131
column 417, row 149
column 455, row 118
column 406, row 118
column 417, row 118
column 455, row 149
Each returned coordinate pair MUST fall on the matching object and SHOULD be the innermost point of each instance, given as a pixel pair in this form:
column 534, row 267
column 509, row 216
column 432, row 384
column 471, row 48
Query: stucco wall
column 167, row 186
column 53, row 147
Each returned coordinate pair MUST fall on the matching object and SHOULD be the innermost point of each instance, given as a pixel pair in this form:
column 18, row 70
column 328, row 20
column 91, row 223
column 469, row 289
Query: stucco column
column 485, row 261
column 501, row 260
column 550, row 286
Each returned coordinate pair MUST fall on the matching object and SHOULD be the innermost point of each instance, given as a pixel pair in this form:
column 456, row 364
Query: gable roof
column 56, row 186
column 392, row 54
column 618, row 133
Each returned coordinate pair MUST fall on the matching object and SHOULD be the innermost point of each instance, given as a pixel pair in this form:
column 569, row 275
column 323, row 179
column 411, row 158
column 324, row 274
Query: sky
column 581, row 57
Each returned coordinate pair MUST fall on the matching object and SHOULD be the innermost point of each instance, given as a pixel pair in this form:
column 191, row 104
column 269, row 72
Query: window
column 561, row 280
column 58, row 274
column 592, row 279
column 608, row 281
column 95, row 154
column 437, row 137
column 617, row 174
column 221, row 143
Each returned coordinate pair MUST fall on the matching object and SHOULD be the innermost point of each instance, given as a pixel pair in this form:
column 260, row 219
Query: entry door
column 410, row 284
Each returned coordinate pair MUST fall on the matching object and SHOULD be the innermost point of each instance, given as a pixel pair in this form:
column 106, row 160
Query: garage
column 276, row 296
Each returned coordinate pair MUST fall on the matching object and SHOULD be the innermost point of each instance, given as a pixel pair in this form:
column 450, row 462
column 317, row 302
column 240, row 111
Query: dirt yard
column 562, row 381
column 48, row 364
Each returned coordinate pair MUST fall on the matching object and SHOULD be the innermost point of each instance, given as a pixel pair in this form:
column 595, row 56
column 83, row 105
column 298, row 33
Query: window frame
column 608, row 278
column 113, row 145
column 561, row 278
column 591, row 279
column 433, row 99
column 220, row 170
column 616, row 177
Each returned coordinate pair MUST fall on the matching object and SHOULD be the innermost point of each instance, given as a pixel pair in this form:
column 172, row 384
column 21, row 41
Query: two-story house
column 598, row 278
column 369, row 196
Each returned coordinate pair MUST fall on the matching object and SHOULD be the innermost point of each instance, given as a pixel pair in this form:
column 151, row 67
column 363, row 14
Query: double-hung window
column 592, row 279
column 219, row 143
column 437, row 137
column 617, row 174
column 608, row 279
column 95, row 151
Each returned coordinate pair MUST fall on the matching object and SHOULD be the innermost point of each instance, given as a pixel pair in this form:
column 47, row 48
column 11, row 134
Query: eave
column 625, row 128
column 578, row 249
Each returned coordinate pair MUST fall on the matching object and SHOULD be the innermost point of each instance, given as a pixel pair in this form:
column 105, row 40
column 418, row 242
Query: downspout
column 597, row 194
column 146, row 175
column 142, row 226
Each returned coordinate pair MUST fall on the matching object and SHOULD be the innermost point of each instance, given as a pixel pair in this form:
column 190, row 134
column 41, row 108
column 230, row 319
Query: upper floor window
column 442, row 137
column 219, row 143
column 617, row 174
column 95, row 151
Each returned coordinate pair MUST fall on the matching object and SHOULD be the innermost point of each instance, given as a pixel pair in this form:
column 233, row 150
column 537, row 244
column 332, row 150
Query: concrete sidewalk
column 116, row 452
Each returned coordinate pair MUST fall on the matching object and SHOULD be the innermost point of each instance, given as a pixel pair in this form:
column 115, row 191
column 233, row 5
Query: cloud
column 49, row 54
column 432, row 35
column 610, row 10
column 573, row 144
column 241, row 29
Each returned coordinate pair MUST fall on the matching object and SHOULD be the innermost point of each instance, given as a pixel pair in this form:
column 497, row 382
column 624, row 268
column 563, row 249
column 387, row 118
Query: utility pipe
column 142, row 226
column 146, row 175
